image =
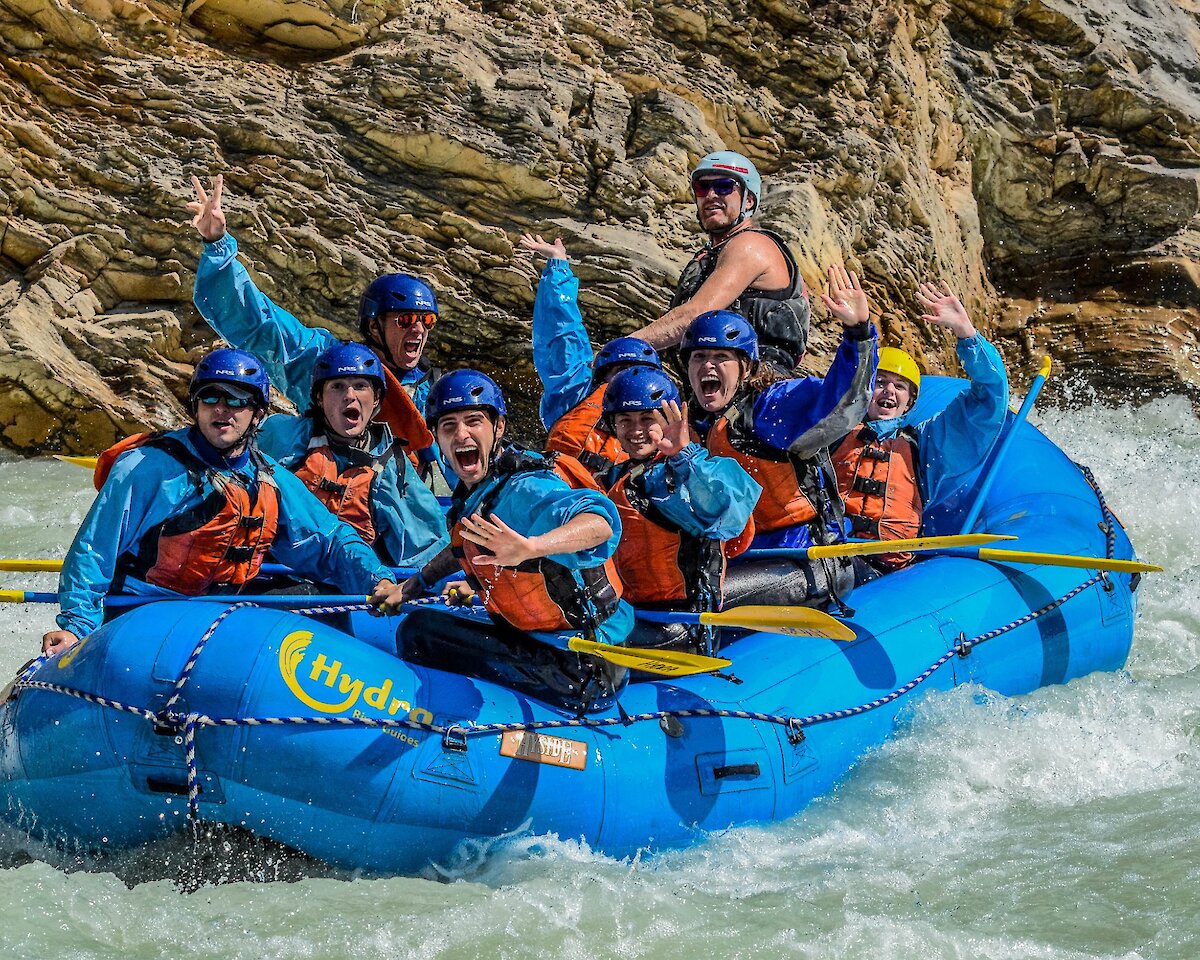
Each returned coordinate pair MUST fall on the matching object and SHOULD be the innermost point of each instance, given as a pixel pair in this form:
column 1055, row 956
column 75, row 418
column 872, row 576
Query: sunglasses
column 406, row 320
column 722, row 188
column 215, row 397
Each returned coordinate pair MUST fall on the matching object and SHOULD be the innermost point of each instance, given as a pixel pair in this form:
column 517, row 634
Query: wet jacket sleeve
column 314, row 542
column 140, row 492
column 536, row 503
column 240, row 313
column 706, row 496
column 957, row 441
column 562, row 351
column 807, row 414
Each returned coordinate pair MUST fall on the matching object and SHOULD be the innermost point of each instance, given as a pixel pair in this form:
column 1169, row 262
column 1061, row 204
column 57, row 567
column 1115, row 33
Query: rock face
column 1041, row 155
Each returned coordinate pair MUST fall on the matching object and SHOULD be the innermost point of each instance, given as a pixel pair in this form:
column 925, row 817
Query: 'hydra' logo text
column 328, row 681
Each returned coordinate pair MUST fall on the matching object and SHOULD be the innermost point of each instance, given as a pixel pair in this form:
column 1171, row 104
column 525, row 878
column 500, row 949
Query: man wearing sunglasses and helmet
column 742, row 267
column 194, row 511
column 396, row 313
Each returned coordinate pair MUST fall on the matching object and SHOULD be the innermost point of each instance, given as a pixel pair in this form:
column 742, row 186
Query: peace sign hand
column 209, row 218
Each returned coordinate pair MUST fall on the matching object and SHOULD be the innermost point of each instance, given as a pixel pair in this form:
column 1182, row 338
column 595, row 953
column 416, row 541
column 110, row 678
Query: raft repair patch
column 556, row 751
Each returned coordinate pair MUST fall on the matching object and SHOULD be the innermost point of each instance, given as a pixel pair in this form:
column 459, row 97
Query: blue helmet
column 463, row 390
column 639, row 388
column 734, row 165
column 720, row 330
column 629, row 351
column 347, row 360
column 394, row 291
column 235, row 367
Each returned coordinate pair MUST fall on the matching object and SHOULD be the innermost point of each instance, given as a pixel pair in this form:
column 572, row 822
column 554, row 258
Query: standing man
column 395, row 316
column 742, row 268
column 194, row 511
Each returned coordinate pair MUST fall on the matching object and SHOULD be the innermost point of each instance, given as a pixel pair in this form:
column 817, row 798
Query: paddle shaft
column 991, row 471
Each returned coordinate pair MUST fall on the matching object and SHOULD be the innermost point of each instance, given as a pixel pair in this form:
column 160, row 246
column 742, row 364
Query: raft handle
column 736, row 770
column 455, row 739
column 156, row 785
column 962, row 646
column 795, row 731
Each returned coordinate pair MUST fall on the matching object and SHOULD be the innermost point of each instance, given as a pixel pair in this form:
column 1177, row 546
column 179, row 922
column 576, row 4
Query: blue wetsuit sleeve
column 706, row 496
column 957, row 441
column 241, row 314
column 810, row 413
column 314, row 542
column 562, row 350
column 124, row 509
column 536, row 503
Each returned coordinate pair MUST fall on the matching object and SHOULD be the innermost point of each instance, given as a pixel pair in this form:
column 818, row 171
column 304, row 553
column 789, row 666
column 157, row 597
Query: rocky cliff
column 1041, row 155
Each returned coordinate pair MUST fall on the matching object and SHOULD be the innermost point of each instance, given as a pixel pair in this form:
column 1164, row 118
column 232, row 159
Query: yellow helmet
column 894, row 360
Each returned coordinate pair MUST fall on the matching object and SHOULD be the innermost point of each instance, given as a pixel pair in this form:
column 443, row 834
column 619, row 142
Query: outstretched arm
column 510, row 548
column 241, row 314
column 746, row 261
column 562, row 350
column 956, row 442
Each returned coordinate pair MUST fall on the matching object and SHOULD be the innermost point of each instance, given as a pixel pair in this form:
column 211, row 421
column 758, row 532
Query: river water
column 1064, row 824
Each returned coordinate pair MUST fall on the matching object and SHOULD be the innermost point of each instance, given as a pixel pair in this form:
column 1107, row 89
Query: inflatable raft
column 278, row 724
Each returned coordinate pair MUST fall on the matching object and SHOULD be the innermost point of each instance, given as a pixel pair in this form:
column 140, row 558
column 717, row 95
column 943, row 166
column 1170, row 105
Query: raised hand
column 551, row 251
column 945, row 309
column 845, row 299
column 508, row 548
column 209, row 218
column 674, row 435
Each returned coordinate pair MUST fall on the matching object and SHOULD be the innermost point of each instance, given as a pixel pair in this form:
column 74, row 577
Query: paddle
column 263, row 600
column 792, row 621
column 88, row 463
column 13, row 565
column 991, row 470
column 666, row 663
column 868, row 548
column 1058, row 560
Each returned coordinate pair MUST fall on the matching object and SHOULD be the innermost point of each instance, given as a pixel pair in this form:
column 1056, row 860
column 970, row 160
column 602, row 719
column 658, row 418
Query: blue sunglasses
column 212, row 398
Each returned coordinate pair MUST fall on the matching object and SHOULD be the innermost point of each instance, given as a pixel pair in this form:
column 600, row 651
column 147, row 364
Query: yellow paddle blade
column 12, row 596
column 88, row 463
column 1065, row 560
column 666, row 663
column 905, row 546
column 791, row 621
column 31, row 566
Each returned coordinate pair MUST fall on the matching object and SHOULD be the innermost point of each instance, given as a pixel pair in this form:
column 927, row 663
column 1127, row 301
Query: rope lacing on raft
column 454, row 736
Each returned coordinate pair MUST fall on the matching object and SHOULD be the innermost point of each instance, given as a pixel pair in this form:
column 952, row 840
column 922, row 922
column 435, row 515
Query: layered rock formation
column 1041, row 155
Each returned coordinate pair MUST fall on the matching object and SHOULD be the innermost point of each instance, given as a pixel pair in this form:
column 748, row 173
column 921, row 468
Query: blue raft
column 328, row 744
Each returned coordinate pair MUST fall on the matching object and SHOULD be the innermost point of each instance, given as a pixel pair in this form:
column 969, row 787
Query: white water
column 1063, row 825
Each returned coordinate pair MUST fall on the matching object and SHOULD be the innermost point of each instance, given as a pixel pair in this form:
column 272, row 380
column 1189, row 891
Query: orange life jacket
column 538, row 594
column 400, row 413
column 878, row 482
column 795, row 490
column 347, row 495
column 579, row 433
column 220, row 542
column 658, row 561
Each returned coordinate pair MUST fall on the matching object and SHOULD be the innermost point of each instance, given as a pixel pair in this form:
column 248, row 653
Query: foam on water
column 1061, row 825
